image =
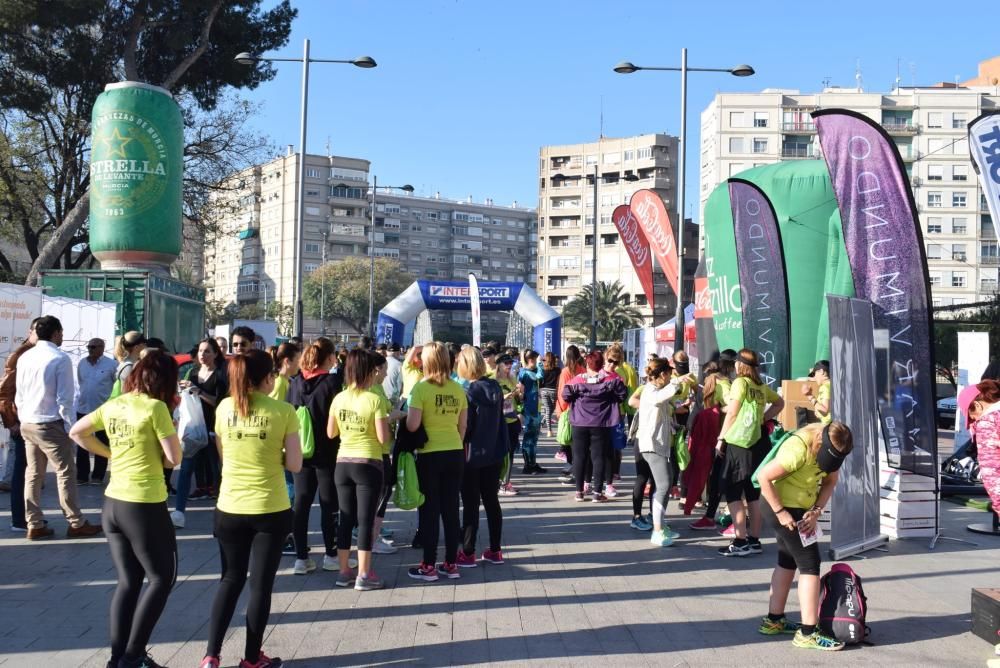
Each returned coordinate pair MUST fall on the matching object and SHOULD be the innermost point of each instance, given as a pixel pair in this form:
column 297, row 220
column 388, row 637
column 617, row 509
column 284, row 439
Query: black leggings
column 715, row 487
column 246, row 542
column 358, row 489
column 440, row 476
column 643, row 475
column 142, row 542
column 791, row 554
column 480, row 484
column 388, row 482
column 590, row 444
column 307, row 482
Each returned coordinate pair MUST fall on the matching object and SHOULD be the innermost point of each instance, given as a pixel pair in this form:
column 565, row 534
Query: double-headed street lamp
column 626, row 67
column 364, row 62
column 371, row 253
column 593, row 265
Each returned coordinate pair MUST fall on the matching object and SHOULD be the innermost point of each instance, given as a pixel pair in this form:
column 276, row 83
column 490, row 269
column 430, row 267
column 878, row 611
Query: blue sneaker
column 641, row 524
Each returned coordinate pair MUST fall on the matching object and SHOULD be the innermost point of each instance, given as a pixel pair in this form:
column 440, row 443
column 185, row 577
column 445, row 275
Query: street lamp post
column 364, row 62
column 371, row 254
column 322, row 288
column 626, row 67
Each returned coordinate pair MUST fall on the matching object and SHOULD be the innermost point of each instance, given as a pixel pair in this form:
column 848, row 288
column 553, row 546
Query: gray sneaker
column 345, row 579
column 368, row 582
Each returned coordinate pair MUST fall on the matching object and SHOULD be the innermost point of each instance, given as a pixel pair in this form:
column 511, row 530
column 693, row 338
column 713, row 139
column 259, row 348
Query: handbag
column 564, row 430
column 306, row 436
column 191, row 428
column 407, row 495
column 618, row 440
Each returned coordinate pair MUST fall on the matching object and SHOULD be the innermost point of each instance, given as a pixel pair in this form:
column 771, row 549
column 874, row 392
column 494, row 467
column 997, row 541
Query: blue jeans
column 17, row 482
column 184, row 483
column 529, row 440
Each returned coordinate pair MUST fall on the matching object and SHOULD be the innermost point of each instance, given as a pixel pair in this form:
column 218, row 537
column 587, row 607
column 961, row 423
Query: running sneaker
column 616, row 476
column 449, row 571
column 507, row 490
column 535, row 468
column 209, row 662
column 466, row 560
column 144, row 661
column 586, row 488
column 177, row 519
column 599, row 498
column 288, row 549
column 345, row 578
column 816, row 640
column 578, row 496
column 670, row 532
column 368, row 582
column 304, row 566
column 424, row 572
column 567, row 480
column 774, row 627
column 380, row 546
column 386, row 533
column 200, row 493
column 648, row 517
column 263, row 661
column 493, row 557
column 734, row 550
column 610, row 491
column 661, row 539
column 640, row 524
column 675, row 492
column 728, row 532
column 561, row 456
column 330, row 563
column 755, row 545
column 526, row 470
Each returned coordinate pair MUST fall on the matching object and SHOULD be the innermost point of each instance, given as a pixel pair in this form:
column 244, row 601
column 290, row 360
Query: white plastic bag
column 191, row 428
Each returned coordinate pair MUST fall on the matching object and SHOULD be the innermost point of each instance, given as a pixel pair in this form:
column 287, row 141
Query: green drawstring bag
column 504, row 467
column 564, row 430
column 306, row 437
column 407, row 495
column 681, row 452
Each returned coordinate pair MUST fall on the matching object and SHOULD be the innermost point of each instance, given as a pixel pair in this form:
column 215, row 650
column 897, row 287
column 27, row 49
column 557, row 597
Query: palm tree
column 614, row 316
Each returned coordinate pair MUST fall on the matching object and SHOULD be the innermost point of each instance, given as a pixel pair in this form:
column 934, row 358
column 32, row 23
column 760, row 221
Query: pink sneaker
column 466, row 560
column 493, row 557
column 703, row 524
column 586, row 488
column 729, row 531
column 447, row 570
column 561, row 456
column 610, row 491
column 507, row 490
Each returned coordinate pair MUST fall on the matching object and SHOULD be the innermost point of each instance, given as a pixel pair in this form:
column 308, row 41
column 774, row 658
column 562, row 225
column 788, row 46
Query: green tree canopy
column 614, row 316
column 345, row 286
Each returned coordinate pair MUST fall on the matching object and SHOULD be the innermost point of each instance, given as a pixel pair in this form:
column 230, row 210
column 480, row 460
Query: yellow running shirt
column 441, row 405
column 135, row 423
column 356, row 411
column 280, row 390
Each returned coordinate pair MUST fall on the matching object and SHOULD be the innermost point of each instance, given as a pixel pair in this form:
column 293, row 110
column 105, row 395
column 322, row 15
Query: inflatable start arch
column 454, row 296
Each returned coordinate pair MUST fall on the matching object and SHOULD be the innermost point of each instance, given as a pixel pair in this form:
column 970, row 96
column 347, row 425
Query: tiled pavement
column 579, row 588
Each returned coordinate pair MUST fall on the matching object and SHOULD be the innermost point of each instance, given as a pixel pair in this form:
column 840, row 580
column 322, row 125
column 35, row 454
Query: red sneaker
column 493, row 557
column 263, row 661
column 449, row 571
column 209, row 662
column 703, row 524
column 425, row 572
column 466, row 560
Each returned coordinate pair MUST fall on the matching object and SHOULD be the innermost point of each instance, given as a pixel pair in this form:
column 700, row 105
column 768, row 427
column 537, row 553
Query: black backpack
column 486, row 428
column 843, row 605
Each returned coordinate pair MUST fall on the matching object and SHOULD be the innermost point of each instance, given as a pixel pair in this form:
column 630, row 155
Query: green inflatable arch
column 815, row 257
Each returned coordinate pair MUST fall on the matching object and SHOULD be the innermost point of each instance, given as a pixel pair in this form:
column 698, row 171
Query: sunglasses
column 240, row 344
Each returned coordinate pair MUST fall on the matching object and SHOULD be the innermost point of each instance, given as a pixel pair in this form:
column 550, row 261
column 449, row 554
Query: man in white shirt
column 44, row 402
column 393, row 383
column 95, row 376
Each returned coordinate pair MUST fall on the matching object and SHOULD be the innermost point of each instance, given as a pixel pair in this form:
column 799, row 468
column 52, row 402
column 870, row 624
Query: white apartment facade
column 928, row 125
column 566, row 217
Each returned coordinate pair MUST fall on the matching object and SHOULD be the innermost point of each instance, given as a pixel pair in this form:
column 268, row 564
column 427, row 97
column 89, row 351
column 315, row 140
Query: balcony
column 895, row 127
column 907, row 153
column 798, row 152
column 989, row 260
column 565, row 225
column 798, row 126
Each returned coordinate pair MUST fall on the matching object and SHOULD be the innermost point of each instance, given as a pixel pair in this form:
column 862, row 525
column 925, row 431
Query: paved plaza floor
column 579, row 588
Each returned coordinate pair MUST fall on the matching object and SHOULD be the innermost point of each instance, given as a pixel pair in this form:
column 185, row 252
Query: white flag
column 984, row 144
column 477, row 330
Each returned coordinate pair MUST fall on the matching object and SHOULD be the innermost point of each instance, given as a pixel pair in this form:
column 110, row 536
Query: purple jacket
column 595, row 404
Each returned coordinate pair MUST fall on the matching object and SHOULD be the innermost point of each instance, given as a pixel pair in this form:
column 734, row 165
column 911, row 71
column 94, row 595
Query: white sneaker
column 610, row 491
column 330, row 563
column 177, row 518
column 382, row 547
column 304, row 566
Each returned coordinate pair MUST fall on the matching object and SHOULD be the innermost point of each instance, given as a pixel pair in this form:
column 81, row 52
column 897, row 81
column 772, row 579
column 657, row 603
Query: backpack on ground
column 843, row 605
column 306, row 436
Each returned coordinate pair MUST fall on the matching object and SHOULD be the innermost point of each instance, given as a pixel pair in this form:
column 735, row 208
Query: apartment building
column 928, row 125
column 252, row 259
column 566, row 217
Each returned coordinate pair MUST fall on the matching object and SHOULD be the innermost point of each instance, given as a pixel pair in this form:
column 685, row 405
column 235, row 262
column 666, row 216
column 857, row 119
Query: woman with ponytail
column 258, row 439
column 286, row 358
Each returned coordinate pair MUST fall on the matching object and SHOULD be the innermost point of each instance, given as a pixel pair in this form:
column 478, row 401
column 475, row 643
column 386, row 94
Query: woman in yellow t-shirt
column 286, row 365
column 258, row 439
column 439, row 405
column 380, row 542
column 746, row 444
column 361, row 420
column 797, row 484
column 142, row 440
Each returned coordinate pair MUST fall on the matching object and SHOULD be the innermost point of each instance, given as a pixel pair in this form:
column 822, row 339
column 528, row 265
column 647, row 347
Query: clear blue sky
column 466, row 91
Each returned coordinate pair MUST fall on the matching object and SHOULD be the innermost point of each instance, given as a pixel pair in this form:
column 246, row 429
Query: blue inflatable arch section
column 454, row 296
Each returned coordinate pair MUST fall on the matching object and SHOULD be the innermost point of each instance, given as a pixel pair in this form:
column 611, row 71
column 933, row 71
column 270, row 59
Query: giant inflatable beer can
column 136, row 172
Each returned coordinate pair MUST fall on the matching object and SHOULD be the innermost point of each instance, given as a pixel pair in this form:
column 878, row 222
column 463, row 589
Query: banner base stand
column 844, row 551
column 938, row 536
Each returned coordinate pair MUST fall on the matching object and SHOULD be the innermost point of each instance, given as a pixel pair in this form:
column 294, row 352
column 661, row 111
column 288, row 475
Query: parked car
column 946, row 409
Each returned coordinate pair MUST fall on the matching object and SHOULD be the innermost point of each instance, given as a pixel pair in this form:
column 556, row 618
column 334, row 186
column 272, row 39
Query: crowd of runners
column 303, row 420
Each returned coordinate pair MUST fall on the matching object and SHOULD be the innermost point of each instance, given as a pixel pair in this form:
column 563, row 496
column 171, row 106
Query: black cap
column 394, row 348
column 505, row 359
column 489, row 352
column 820, row 365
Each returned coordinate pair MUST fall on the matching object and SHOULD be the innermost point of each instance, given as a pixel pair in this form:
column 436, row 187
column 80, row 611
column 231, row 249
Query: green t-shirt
column 135, row 423
column 824, row 396
column 800, row 487
column 510, row 406
column 722, row 388
column 753, row 398
column 387, row 407
column 441, row 405
column 253, row 457
column 356, row 412
column 280, row 390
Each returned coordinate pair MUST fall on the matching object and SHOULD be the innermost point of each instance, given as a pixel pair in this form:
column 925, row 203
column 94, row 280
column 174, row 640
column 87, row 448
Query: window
column 959, row 226
column 933, row 251
column 958, row 279
column 759, row 145
column 347, row 192
column 312, row 172
column 958, row 253
column 938, row 146
column 629, row 155
column 644, row 153
column 310, row 267
column 959, row 120
column 344, row 174
column 760, row 119
column 933, row 226
column 312, row 248
column 935, row 278
column 935, row 119
column 591, row 160
column 958, row 200
column 312, row 192
column 312, row 210
column 735, row 168
column 934, row 200
column 736, row 144
column 960, row 173
column 737, row 119
column 935, row 172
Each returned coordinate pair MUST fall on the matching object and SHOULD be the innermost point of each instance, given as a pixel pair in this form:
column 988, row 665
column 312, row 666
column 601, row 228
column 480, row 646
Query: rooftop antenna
column 826, row 82
column 957, row 77
column 328, row 146
column 858, row 78
column 898, row 79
